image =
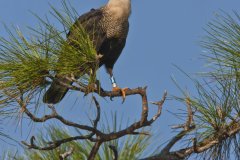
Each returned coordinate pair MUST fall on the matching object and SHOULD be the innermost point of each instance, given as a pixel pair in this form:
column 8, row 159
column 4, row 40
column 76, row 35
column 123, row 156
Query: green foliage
column 219, row 106
column 223, row 45
column 27, row 62
column 216, row 105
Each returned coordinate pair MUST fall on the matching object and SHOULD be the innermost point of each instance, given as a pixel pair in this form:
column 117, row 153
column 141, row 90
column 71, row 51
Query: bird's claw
column 123, row 92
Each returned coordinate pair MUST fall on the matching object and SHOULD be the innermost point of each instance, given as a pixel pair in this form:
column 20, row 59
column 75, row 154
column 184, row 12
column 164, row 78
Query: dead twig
column 115, row 152
column 66, row 154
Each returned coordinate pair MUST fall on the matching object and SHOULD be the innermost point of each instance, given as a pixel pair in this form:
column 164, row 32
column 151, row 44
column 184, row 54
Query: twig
column 55, row 115
column 187, row 127
column 54, row 144
column 115, row 152
column 189, row 120
column 175, row 139
column 159, row 104
column 95, row 123
column 66, row 154
column 94, row 150
column 141, row 133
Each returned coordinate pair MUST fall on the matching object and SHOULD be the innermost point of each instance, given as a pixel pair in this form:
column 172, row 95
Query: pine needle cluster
column 223, row 46
column 216, row 106
column 29, row 63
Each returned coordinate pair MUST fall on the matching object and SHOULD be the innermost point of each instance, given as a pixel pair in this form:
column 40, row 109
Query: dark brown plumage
column 107, row 28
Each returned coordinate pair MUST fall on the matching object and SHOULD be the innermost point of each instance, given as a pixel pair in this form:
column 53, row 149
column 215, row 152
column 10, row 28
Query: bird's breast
column 117, row 30
column 115, row 27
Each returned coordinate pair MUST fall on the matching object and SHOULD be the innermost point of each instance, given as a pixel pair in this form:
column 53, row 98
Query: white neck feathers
column 120, row 8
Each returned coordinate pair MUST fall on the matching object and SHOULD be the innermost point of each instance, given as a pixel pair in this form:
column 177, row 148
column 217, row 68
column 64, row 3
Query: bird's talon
column 123, row 92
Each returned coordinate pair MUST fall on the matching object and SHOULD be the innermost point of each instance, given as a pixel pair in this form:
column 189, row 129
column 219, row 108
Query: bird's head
column 120, row 7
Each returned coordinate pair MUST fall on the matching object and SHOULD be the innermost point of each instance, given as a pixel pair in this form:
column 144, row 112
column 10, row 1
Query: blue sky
column 163, row 33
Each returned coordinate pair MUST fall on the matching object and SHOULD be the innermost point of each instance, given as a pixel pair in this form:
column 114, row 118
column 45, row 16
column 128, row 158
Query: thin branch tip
column 115, row 151
column 66, row 154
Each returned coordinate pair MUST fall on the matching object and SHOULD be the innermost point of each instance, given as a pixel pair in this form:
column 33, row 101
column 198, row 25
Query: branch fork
column 100, row 136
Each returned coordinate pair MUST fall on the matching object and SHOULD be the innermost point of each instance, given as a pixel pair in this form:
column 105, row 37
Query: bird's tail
column 56, row 92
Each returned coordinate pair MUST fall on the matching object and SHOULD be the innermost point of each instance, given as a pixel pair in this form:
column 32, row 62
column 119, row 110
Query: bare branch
column 189, row 120
column 143, row 122
column 95, row 123
column 175, row 139
column 141, row 133
column 115, row 152
column 94, row 150
column 187, row 127
column 66, row 154
column 159, row 104
column 55, row 115
column 100, row 137
column 54, row 144
column 194, row 144
column 198, row 147
column 178, row 126
column 207, row 143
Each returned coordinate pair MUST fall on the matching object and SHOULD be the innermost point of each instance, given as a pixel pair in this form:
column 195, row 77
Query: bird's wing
column 91, row 23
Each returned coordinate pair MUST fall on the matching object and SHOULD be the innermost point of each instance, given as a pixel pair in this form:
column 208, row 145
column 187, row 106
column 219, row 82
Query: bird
column 107, row 28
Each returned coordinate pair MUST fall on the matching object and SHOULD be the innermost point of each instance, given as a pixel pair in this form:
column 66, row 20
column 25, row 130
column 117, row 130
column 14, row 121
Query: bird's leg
column 114, row 84
column 113, row 81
